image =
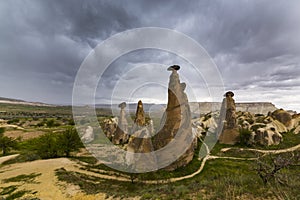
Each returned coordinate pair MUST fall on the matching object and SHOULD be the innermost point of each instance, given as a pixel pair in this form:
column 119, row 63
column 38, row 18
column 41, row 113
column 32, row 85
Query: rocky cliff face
column 253, row 107
column 177, row 123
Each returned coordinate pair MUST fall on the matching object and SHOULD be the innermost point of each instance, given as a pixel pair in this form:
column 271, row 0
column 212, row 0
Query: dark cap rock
column 174, row 67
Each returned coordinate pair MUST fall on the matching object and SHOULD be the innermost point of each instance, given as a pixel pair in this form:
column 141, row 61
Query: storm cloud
column 255, row 45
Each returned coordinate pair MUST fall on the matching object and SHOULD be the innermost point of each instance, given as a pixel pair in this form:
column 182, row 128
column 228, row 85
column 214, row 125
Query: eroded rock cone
column 140, row 142
column 230, row 133
column 121, row 136
column 177, row 127
column 140, row 115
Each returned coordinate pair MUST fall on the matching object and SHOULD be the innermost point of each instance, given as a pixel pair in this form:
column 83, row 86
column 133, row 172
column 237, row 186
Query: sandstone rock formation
column 109, row 127
column 140, row 142
column 230, row 133
column 267, row 136
column 88, row 135
column 177, row 124
column 252, row 107
column 121, row 134
column 295, row 124
column 282, row 116
column 205, row 125
column 140, row 115
column 260, row 129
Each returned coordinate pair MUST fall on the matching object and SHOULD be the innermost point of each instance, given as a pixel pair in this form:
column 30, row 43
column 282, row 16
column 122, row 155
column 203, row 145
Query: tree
column 46, row 146
column 269, row 167
column 69, row 141
column 7, row 143
column 2, row 130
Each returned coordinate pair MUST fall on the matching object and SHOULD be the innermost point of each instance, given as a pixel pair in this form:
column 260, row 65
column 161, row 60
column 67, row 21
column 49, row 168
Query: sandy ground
column 24, row 135
column 46, row 186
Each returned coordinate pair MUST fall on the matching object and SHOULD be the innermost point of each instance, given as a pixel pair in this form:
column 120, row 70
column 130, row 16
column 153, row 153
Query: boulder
column 110, row 126
column 88, row 135
column 204, row 125
column 282, row 116
column 267, row 136
column 295, row 123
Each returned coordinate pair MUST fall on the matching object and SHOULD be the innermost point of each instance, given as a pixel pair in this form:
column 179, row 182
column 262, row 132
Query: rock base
column 229, row 136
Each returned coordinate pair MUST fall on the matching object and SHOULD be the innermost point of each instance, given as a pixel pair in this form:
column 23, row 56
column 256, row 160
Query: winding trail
column 46, row 185
column 204, row 160
column 6, row 158
column 291, row 149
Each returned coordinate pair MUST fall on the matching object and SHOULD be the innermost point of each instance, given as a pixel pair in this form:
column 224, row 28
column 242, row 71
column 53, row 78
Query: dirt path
column 47, row 186
column 5, row 158
column 291, row 149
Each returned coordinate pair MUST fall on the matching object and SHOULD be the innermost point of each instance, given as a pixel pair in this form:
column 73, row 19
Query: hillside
column 22, row 102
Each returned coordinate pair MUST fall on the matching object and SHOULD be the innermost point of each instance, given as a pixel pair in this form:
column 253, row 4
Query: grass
column 22, row 178
column 25, row 157
column 16, row 195
column 289, row 140
column 157, row 175
column 235, row 152
column 10, row 193
column 220, row 179
column 86, row 159
column 8, row 190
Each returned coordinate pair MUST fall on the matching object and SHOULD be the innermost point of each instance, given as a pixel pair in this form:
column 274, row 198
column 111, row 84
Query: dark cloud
column 255, row 44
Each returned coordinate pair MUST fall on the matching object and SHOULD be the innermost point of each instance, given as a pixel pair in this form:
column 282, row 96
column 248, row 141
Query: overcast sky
column 255, row 45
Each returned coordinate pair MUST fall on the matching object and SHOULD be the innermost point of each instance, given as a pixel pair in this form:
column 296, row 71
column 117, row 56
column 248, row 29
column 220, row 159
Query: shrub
column 7, row 143
column 69, row 141
column 53, row 145
column 13, row 121
column 245, row 136
column 50, row 123
column 46, row 146
column 2, row 130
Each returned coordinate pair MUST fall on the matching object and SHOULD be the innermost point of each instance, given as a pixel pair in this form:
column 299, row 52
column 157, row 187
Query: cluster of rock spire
column 177, row 128
column 176, row 123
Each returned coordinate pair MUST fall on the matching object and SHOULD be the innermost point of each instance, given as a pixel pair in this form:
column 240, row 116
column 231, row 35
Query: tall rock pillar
column 177, row 118
column 121, row 134
column 140, row 115
column 140, row 142
column 230, row 133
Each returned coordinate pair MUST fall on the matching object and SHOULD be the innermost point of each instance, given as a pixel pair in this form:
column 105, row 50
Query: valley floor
column 38, row 178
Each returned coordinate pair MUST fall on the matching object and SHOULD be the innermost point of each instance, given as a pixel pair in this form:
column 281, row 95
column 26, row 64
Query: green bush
column 13, row 121
column 7, row 143
column 47, row 146
column 69, row 141
column 2, row 130
column 53, row 145
column 245, row 136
